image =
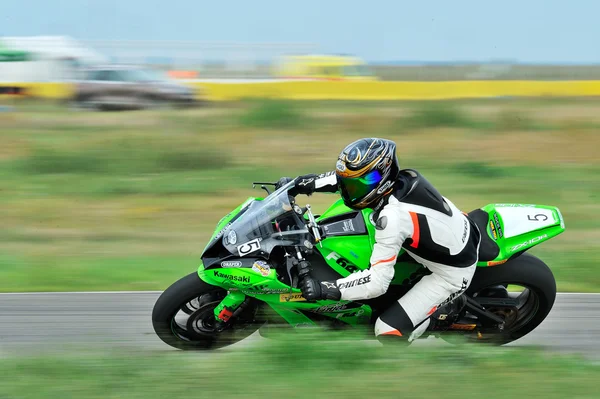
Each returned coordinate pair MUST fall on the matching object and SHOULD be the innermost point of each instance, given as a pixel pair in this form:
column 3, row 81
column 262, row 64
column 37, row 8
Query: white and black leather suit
column 432, row 230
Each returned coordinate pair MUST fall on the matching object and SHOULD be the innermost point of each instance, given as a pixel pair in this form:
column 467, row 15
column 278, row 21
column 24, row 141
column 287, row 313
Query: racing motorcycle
column 250, row 271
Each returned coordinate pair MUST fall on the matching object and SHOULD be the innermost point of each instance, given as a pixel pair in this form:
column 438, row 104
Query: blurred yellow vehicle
column 323, row 67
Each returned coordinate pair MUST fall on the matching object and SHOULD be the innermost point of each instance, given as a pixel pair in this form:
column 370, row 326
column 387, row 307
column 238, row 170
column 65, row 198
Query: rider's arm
column 393, row 228
column 323, row 183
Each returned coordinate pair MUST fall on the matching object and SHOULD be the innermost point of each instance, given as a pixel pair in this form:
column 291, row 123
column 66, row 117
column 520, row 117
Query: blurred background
column 128, row 129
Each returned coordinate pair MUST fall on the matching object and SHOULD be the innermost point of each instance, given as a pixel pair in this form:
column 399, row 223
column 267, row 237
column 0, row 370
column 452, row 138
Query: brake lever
column 262, row 185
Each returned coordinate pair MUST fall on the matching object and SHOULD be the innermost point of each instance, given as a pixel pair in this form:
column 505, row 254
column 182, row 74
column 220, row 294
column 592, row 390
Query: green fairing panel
column 518, row 227
column 285, row 300
column 348, row 253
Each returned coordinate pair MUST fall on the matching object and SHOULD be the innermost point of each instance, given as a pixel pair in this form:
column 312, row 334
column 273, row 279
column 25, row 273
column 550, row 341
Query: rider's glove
column 314, row 290
column 282, row 182
column 305, row 184
column 302, row 184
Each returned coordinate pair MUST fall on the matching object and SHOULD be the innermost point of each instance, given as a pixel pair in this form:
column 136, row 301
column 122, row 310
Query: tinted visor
column 358, row 187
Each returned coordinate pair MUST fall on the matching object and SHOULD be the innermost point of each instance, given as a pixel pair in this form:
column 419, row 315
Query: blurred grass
column 438, row 115
column 303, row 366
column 272, row 114
column 102, row 201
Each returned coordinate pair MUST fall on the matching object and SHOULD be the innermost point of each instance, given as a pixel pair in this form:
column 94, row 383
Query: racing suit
column 432, row 230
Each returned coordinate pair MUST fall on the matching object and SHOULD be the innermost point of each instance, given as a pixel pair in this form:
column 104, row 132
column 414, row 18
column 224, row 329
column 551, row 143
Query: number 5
column 535, row 218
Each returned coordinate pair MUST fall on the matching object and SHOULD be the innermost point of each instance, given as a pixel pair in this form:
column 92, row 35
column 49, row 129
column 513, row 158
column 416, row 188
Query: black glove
column 282, row 182
column 302, row 184
column 314, row 290
column 305, row 184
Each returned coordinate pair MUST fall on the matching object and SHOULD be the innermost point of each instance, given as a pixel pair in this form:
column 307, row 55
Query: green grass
column 438, row 114
column 122, row 156
column 272, row 114
column 303, row 367
column 102, row 201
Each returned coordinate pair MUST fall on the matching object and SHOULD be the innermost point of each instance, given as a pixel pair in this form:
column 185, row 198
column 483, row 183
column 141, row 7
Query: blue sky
column 522, row 30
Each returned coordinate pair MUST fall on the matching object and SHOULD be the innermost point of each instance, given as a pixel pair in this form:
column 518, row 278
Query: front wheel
column 529, row 298
column 183, row 316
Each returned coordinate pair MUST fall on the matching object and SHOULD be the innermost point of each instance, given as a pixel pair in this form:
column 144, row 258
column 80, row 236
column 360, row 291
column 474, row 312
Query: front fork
column 234, row 303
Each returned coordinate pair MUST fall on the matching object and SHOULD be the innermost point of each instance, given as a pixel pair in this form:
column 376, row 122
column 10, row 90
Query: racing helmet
column 366, row 171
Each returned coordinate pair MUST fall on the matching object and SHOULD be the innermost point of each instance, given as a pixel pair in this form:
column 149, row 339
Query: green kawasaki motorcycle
column 249, row 275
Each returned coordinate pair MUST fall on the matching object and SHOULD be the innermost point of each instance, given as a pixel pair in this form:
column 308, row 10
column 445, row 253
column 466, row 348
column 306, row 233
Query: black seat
column 488, row 249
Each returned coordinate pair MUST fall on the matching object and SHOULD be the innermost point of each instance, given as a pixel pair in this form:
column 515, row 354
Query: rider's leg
column 410, row 314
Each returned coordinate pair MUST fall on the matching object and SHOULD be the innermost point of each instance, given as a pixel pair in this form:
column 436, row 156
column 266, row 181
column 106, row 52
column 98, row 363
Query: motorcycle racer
column 410, row 214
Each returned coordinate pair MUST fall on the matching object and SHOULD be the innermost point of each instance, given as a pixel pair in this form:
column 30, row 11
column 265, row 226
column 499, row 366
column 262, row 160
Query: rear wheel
column 529, row 298
column 183, row 317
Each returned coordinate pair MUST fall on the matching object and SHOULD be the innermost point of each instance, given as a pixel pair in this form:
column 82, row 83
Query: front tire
column 183, row 316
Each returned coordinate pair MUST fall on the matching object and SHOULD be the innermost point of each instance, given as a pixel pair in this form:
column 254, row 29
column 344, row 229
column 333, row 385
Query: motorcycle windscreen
column 265, row 225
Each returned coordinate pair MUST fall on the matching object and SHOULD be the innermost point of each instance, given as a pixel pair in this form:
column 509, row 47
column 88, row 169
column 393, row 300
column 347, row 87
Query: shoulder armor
column 418, row 191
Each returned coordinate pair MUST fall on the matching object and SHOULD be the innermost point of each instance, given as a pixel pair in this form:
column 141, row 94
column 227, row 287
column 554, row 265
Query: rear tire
column 176, row 299
column 525, row 270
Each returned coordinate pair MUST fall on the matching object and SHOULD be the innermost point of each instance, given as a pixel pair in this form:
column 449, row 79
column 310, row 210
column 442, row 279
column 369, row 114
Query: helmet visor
column 358, row 187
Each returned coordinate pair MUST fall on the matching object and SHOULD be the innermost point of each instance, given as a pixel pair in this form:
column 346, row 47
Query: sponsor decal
column 345, row 263
column 264, row 289
column 301, row 325
column 237, row 279
column 295, row 297
column 322, row 175
column 306, row 182
column 496, row 262
column 463, row 288
column 340, row 165
column 498, row 225
column 232, row 237
column 261, row 267
column 493, row 231
column 220, row 233
column 329, row 285
column 379, row 205
column 466, row 228
column 348, row 225
column 336, row 307
column 527, row 243
column 231, row 263
column 381, row 223
column 356, row 282
column 249, row 247
column 356, row 313
column 385, row 187
column 467, row 327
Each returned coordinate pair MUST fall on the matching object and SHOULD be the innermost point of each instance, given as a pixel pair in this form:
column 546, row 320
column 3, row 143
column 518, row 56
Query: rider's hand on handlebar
column 302, row 184
column 282, row 182
column 313, row 289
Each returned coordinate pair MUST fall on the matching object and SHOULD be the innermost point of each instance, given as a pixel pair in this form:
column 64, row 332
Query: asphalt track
column 47, row 322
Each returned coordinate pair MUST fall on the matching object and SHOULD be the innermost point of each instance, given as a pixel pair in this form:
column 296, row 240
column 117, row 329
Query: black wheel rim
column 517, row 317
column 194, row 322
